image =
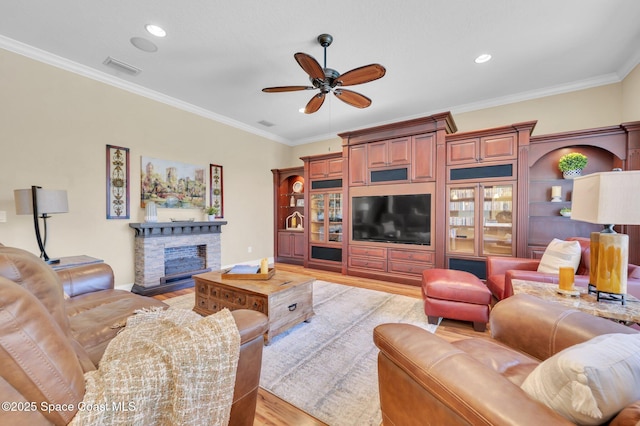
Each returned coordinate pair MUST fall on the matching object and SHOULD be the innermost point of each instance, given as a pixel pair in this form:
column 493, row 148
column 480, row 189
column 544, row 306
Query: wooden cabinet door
column 291, row 244
column 358, row 165
column 394, row 152
column 464, row 151
column 318, row 169
column 285, row 248
column 399, row 152
column 325, row 168
column 334, row 167
column 377, row 154
column 422, row 153
column 502, row 147
column 298, row 244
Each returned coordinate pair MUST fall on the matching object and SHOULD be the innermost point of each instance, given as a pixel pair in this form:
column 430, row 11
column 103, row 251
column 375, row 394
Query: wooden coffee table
column 286, row 298
column 629, row 313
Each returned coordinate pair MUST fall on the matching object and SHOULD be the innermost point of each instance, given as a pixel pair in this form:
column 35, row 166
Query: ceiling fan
column 329, row 80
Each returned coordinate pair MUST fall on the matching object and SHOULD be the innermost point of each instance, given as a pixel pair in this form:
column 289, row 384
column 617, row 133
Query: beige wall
column 583, row 109
column 321, row 147
column 54, row 126
column 631, row 96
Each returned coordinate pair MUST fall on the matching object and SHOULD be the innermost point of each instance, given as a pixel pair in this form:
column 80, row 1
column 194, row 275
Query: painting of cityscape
column 171, row 184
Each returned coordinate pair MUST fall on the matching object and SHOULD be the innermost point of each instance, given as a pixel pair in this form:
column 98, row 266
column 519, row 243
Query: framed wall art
column 171, row 184
column 216, row 189
column 117, row 182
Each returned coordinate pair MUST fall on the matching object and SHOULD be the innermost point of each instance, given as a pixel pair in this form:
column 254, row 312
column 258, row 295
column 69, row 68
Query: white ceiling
column 218, row 55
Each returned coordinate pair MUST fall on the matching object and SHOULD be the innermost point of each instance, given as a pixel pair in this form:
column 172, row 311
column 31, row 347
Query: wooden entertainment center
column 488, row 192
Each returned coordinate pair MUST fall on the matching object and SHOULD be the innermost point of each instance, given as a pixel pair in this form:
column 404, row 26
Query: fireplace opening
column 180, row 263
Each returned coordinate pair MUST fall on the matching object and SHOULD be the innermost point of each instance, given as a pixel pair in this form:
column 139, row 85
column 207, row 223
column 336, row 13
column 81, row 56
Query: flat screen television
column 402, row 219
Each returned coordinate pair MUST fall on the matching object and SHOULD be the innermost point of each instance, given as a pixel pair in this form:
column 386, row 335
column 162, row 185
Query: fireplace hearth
column 167, row 254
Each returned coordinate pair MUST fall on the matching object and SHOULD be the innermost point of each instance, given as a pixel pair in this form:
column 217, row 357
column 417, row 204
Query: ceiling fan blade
column 286, row 89
column 310, row 66
column 352, row 98
column 314, row 104
column 360, row 75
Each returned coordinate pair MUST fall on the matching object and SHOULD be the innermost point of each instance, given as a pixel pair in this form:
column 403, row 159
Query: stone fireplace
column 167, row 254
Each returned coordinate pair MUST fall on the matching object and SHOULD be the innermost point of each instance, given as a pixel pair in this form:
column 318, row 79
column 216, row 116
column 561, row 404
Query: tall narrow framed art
column 216, row 188
column 117, row 182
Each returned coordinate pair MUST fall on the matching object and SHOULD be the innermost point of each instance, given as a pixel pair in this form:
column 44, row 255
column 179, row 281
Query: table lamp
column 38, row 201
column 608, row 198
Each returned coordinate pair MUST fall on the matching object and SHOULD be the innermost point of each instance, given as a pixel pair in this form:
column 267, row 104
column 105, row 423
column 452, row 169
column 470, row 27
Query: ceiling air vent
column 121, row 66
column 265, row 123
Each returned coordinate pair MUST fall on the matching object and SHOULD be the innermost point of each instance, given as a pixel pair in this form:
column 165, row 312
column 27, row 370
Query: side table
column 628, row 313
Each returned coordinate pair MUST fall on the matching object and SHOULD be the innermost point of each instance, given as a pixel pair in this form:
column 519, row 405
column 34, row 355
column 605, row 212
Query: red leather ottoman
column 458, row 295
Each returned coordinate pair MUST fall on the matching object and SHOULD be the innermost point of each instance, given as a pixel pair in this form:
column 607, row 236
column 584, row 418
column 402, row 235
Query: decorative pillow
column 591, row 382
column 560, row 253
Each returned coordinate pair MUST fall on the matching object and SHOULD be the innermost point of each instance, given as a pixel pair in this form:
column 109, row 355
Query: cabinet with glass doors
column 326, row 218
column 480, row 219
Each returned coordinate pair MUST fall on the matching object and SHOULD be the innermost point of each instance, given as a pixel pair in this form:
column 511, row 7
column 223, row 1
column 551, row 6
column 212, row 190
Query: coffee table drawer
column 220, row 298
column 207, row 304
column 290, row 308
column 257, row 303
column 236, row 298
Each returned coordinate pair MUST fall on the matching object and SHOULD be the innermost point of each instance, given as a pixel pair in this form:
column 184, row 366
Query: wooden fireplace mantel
column 163, row 229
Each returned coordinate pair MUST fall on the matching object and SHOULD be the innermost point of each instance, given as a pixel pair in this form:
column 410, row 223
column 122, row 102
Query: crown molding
column 68, row 65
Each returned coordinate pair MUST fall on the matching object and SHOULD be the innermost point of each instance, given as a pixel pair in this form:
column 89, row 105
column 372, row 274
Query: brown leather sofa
column 501, row 270
column 57, row 326
column 426, row 380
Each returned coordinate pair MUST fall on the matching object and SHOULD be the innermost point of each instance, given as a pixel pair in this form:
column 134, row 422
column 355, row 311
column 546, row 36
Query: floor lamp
column 608, row 198
column 40, row 203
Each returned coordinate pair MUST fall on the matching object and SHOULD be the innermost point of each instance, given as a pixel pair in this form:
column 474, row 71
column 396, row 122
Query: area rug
column 328, row 366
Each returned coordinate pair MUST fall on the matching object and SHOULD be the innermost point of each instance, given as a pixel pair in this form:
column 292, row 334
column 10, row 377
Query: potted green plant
column 211, row 212
column 565, row 211
column 572, row 164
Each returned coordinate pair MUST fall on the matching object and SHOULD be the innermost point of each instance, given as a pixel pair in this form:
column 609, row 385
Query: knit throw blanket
column 168, row 367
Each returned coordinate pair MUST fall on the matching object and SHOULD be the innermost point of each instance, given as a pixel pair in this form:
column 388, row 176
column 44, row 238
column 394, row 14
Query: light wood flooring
column 273, row 411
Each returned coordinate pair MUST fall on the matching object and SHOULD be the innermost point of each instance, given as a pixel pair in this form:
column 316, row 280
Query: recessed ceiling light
column 485, row 57
column 156, row 30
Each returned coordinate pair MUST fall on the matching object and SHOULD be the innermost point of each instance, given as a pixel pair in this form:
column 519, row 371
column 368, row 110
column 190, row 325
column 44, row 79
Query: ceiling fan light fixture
column 485, row 57
column 328, row 80
column 155, row 30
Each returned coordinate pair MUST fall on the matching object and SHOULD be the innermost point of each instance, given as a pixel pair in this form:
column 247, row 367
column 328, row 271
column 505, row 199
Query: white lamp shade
column 49, row 201
column 607, row 198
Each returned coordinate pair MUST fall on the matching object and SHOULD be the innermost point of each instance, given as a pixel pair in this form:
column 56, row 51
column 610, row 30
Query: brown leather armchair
column 501, row 270
column 426, row 380
column 56, row 326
